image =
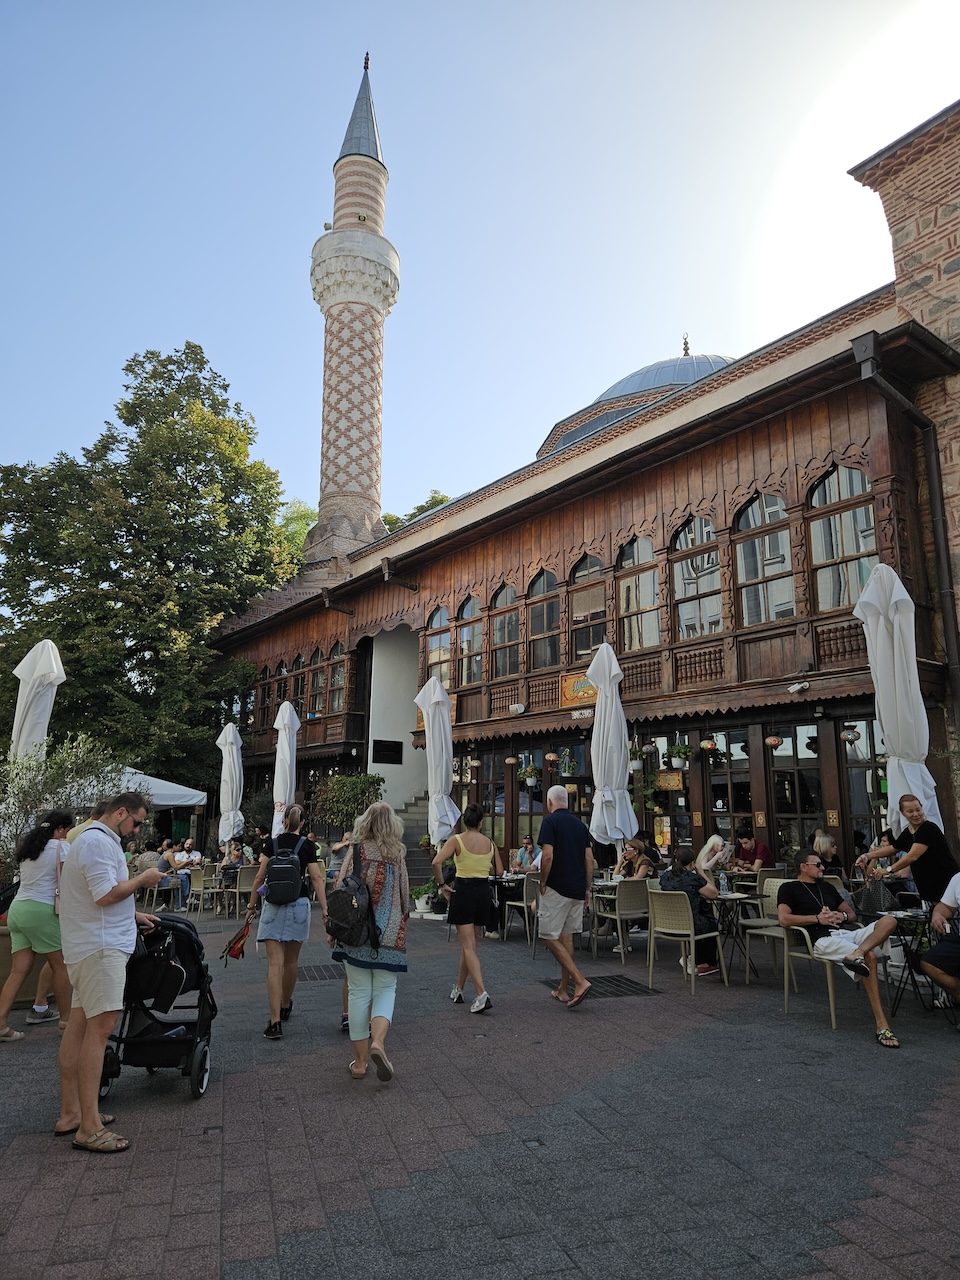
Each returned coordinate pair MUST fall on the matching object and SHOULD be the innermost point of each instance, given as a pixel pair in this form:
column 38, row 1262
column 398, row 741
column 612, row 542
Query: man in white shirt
column 942, row 962
column 98, row 928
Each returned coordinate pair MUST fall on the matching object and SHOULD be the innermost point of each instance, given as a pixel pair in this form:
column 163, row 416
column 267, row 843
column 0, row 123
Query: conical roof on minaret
column 363, row 137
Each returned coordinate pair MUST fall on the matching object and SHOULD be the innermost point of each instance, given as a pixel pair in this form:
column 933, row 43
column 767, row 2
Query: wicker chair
column 671, row 916
column 630, row 903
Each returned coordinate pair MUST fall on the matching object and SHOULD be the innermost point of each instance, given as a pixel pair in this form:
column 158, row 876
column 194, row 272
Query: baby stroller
column 157, row 1028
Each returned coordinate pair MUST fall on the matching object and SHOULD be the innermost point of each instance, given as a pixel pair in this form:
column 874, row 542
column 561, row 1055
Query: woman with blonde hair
column 379, row 858
column 285, row 927
column 716, row 850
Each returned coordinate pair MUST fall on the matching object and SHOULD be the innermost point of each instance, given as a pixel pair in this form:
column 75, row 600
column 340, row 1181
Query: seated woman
column 826, row 847
column 229, row 869
column 172, row 864
column 681, row 877
column 715, row 851
column 633, row 863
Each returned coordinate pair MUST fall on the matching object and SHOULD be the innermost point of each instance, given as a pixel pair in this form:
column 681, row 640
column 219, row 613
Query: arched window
column 338, row 675
column 842, row 544
column 470, row 643
column 283, row 684
column 505, row 633
column 696, row 580
column 438, row 646
column 764, row 571
column 264, row 699
column 638, row 592
column 543, row 621
column 588, row 610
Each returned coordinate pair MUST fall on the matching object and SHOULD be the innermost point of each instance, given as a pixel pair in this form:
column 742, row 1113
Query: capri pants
column 371, row 993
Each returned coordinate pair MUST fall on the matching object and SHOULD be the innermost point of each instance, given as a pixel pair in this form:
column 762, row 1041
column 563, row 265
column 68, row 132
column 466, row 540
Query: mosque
column 713, row 518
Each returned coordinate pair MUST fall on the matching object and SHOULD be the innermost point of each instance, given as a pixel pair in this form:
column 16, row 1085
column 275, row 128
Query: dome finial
column 366, row 61
column 686, row 344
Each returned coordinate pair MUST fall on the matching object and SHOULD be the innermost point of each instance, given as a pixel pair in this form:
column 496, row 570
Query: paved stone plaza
column 643, row 1135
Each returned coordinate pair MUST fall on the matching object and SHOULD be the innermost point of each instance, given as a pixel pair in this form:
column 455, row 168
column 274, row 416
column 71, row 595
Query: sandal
column 8, row 1035
column 383, row 1064
column 356, row 1075
column 887, row 1040
column 103, row 1143
column 65, row 1133
column 857, row 964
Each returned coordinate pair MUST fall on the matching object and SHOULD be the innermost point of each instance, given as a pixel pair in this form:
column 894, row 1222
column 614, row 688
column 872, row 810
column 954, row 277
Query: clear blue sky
column 571, row 188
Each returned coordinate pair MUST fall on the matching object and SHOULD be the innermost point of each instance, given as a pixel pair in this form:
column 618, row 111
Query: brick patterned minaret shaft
column 355, row 278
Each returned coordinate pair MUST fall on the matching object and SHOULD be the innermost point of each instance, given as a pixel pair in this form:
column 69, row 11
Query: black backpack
column 284, row 876
column 350, row 915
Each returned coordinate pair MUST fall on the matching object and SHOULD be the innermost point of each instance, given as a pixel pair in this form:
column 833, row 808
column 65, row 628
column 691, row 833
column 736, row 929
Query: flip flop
column 102, row 1143
column 9, row 1035
column 575, row 1000
column 383, row 1064
column 65, row 1133
column 355, row 1075
column 557, row 996
column 857, row 964
column 886, row 1039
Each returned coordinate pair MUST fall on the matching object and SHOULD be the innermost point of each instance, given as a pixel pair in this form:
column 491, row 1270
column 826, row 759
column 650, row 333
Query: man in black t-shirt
column 566, row 867
column 810, row 903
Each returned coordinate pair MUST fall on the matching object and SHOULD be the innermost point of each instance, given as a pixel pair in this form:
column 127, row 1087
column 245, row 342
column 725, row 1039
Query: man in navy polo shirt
column 566, row 868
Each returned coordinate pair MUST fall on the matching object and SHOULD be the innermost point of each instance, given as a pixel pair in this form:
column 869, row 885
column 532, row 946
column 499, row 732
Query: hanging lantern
column 649, row 749
column 849, row 735
column 551, row 757
column 773, row 741
column 707, row 744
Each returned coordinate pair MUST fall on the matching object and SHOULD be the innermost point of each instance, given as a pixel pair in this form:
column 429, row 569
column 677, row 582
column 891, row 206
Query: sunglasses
column 815, row 864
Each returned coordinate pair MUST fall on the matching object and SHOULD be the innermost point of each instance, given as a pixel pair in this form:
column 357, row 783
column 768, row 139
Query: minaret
column 355, row 278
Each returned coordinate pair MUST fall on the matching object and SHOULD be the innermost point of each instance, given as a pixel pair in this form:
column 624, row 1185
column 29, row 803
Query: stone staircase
column 414, row 816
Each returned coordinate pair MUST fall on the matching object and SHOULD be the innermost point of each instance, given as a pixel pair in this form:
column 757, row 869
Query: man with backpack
column 286, row 863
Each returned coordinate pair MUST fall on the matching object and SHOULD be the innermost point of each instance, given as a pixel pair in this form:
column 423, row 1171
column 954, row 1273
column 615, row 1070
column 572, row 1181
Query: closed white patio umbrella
column 434, row 704
column 613, row 820
column 285, row 771
column 231, row 783
column 40, row 674
column 888, row 616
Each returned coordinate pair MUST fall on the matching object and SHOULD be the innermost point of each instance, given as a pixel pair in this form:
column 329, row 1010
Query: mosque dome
column 677, row 371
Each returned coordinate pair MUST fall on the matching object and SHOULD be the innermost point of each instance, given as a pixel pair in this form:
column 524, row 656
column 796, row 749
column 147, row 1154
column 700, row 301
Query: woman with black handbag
column 379, row 859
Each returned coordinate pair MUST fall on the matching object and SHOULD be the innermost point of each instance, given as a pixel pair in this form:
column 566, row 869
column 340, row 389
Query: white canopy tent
column 163, row 795
column 40, row 674
column 434, row 703
column 888, row 616
column 613, row 819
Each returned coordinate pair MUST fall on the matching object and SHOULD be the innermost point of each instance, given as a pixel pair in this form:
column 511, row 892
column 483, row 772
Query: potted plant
column 636, row 757
column 567, row 765
column 529, row 774
column 425, row 842
column 679, row 753
column 425, row 896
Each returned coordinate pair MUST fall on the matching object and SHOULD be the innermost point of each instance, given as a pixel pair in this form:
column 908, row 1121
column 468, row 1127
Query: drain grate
column 320, row 973
column 614, row 986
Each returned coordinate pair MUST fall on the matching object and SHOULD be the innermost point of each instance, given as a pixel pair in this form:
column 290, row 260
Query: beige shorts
column 98, row 982
column 841, row 942
column 558, row 915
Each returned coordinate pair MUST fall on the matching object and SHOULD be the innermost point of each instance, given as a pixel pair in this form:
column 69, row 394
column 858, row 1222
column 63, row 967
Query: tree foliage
column 295, row 519
column 339, row 799
column 129, row 556
column 73, row 774
column 436, row 499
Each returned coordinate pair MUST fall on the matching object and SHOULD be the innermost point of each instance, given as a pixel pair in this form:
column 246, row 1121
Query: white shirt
column 952, row 892
column 95, row 866
column 38, row 876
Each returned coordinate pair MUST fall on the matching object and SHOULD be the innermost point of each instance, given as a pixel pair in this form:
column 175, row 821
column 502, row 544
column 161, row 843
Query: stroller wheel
column 200, row 1069
column 111, row 1069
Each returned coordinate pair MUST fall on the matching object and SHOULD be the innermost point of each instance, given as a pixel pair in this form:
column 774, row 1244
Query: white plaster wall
column 393, row 715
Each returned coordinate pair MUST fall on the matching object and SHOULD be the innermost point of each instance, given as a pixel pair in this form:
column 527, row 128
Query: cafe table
column 729, row 906
column 914, row 934
column 503, row 890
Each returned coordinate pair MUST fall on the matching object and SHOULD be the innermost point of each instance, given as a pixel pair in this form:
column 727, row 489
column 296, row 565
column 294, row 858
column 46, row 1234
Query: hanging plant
column 567, row 765
column 529, row 773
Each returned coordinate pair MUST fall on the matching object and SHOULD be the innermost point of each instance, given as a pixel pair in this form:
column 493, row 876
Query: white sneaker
column 482, row 1004
column 456, row 995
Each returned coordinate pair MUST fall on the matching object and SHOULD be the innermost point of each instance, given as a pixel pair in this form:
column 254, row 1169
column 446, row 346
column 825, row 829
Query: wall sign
column 576, row 690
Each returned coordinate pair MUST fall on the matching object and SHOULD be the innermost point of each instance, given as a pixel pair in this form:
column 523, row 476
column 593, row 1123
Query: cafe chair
column 198, row 887
column 767, row 924
column 168, row 887
column 245, row 878
column 526, row 906
column 671, row 916
column 629, row 904
column 800, row 947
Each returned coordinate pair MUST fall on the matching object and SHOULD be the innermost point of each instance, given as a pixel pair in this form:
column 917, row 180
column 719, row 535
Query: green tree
column 436, row 499
column 129, row 556
column 295, row 520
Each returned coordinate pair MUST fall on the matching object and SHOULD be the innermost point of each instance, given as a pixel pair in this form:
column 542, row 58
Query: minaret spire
column 355, row 278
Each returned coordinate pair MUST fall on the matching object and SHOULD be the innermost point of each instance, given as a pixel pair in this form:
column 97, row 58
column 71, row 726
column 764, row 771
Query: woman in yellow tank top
column 470, row 898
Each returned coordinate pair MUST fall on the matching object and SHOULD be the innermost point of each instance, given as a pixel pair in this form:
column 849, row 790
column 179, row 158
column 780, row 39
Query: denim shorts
column 287, row 923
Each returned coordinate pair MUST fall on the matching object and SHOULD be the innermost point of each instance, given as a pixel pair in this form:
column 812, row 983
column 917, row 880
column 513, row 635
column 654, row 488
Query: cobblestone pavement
column 647, row 1135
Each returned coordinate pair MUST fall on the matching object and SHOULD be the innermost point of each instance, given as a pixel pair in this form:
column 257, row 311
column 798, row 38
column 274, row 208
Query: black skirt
column 471, row 902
